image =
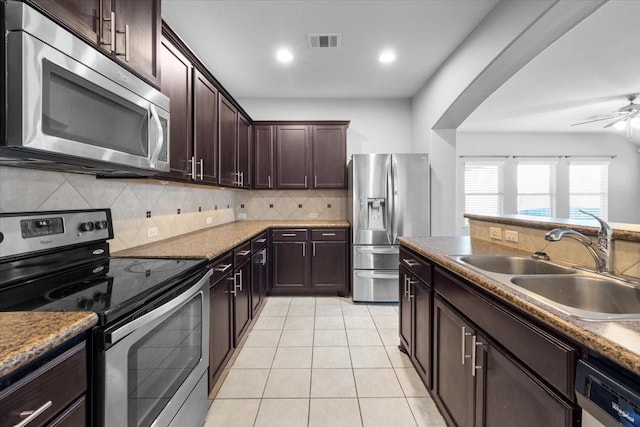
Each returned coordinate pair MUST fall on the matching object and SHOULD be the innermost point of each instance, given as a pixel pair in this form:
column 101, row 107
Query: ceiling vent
column 324, row 41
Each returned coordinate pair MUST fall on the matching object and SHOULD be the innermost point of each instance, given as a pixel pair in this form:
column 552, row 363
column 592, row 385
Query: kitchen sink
column 513, row 265
column 585, row 296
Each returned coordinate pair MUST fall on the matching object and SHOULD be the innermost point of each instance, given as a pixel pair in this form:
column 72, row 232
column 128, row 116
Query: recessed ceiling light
column 284, row 55
column 387, row 56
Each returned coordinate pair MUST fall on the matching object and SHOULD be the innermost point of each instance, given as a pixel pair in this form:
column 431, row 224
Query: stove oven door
column 156, row 362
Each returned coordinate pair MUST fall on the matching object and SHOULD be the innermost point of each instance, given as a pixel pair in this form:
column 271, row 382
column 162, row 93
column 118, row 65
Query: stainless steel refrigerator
column 388, row 197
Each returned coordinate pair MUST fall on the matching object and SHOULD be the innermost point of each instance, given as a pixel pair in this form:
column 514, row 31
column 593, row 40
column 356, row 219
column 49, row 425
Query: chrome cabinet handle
column 304, row 249
column 305, row 181
column 474, row 351
column 313, row 244
column 409, row 283
column 32, row 415
column 244, row 253
column 126, row 41
column 406, row 289
column 465, row 334
column 410, row 262
column 328, row 234
column 192, row 174
column 315, row 180
column 239, row 273
column 201, row 169
column 112, row 30
column 261, row 240
column 224, row 268
column 241, row 183
column 233, row 287
column 288, row 234
column 269, row 181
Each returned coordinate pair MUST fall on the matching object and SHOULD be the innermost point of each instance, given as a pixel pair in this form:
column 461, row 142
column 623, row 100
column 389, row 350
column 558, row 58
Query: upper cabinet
column 205, row 129
column 228, row 143
column 244, row 151
column 300, row 155
column 128, row 31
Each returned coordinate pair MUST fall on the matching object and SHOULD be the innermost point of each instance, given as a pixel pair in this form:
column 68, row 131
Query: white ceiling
column 237, row 41
column 585, row 74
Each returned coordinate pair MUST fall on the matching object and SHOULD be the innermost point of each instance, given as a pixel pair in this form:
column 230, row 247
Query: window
column 536, row 188
column 483, row 187
column 588, row 189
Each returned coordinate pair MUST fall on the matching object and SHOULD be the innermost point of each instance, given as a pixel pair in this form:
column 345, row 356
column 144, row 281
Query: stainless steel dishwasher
column 608, row 394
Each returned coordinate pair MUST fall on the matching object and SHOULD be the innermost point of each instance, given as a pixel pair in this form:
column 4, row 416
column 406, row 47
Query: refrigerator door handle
column 389, row 200
column 395, row 218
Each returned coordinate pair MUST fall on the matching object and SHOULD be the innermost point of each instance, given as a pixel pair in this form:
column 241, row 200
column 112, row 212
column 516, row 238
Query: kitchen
column 147, row 211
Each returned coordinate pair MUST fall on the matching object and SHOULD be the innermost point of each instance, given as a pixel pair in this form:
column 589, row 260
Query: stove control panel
column 36, row 231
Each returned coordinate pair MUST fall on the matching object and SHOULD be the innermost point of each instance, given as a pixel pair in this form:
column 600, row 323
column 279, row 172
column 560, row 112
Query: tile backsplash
column 171, row 208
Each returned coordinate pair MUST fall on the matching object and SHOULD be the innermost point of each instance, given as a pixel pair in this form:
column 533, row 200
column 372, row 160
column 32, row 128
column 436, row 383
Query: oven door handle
column 118, row 334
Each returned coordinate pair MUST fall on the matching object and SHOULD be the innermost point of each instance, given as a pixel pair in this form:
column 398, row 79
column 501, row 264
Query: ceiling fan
column 621, row 117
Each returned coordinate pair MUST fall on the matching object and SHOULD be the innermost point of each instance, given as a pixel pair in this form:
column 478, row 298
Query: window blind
column 588, row 189
column 536, row 188
column 484, row 187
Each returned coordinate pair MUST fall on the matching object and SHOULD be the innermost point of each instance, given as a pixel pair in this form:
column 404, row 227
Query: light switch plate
column 242, row 216
column 511, row 236
column 313, row 215
column 152, row 231
column 495, row 233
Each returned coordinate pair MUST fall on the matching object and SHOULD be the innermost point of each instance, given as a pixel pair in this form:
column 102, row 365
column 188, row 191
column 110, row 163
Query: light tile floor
column 322, row 362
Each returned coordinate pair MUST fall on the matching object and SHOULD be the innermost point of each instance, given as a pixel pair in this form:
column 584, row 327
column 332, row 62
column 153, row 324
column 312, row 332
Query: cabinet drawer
column 416, row 264
column 221, row 267
column 56, row 384
column 284, row 235
column 242, row 254
column 329, row 234
column 550, row 358
column 75, row 415
column 259, row 241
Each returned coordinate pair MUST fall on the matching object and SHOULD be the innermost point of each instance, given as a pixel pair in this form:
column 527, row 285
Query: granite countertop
column 25, row 336
column 617, row 340
column 212, row 242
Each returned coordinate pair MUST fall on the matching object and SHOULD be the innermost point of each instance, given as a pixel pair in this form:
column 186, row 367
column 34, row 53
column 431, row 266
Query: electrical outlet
column 495, row 233
column 511, row 236
column 209, row 220
column 313, row 215
column 242, row 215
column 152, row 231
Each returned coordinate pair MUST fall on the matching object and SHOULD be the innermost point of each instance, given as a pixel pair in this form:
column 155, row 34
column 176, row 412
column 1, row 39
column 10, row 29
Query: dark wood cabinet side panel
column 292, row 157
column 242, row 302
column 227, row 143
column 422, row 330
column 552, row 359
column 263, row 177
column 205, row 134
column 176, row 84
column 405, row 306
column 510, row 393
column 329, row 157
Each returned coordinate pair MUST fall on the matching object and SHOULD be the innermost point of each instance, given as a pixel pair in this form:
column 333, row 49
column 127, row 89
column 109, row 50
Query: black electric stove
column 59, row 261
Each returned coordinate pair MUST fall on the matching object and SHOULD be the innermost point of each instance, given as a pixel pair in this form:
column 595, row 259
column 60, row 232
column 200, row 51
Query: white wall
column 624, row 169
column 377, row 125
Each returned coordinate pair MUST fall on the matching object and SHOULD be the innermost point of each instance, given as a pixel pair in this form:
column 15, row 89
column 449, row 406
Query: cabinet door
column 221, row 327
column 292, row 156
column 328, row 266
column 242, row 302
column 141, row 19
column 244, row 151
column 289, row 266
column 176, row 84
column 329, row 156
column 81, row 15
column 406, row 329
column 506, row 391
column 263, row 144
column 258, row 279
column 227, row 143
column 453, row 383
column 422, row 297
column 205, row 134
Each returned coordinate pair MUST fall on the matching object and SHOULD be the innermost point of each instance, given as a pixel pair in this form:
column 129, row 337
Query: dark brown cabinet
column 128, row 31
column 263, row 149
column 228, row 143
column 176, row 84
column 309, row 261
column 57, row 388
column 259, row 271
column 293, row 151
column 329, row 156
column 205, row 130
column 220, row 316
column 329, row 260
column 244, row 152
column 242, row 292
column 491, row 364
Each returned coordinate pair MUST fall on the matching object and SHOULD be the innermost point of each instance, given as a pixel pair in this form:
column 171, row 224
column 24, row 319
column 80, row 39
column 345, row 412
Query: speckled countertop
column 215, row 241
column 619, row 340
column 25, row 336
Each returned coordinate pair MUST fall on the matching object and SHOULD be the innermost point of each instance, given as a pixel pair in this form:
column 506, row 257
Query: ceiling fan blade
column 622, row 119
column 595, row 120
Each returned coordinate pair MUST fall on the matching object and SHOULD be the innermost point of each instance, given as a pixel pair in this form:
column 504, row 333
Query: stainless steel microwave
column 68, row 106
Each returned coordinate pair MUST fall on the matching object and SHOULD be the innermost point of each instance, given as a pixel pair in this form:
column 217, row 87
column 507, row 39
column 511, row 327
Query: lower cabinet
column 492, row 366
column 55, row 391
column 314, row 261
column 221, row 317
column 242, row 292
column 259, row 272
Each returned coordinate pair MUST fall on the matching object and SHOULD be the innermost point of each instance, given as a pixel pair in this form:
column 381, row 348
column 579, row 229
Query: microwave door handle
column 159, row 142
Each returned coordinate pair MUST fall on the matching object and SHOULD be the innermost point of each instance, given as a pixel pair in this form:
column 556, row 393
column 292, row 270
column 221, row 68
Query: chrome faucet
column 602, row 254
